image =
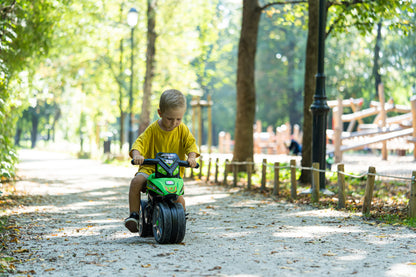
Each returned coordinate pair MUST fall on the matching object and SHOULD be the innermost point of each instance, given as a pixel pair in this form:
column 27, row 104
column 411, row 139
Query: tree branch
column 8, row 8
column 348, row 3
column 332, row 27
column 344, row 4
column 282, row 3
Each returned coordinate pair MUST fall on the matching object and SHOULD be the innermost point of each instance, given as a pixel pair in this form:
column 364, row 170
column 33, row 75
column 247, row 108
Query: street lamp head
column 132, row 17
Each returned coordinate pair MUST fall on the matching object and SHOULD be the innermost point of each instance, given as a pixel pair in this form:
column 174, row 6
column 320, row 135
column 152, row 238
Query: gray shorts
column 143, row 174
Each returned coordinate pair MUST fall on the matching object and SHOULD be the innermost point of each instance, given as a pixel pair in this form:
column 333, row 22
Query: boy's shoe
column 132, row 222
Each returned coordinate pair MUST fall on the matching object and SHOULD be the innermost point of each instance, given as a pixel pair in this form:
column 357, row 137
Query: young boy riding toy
column 169, row 135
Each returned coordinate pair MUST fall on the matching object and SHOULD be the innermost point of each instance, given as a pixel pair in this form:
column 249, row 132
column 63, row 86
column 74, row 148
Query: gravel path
column 77, row 230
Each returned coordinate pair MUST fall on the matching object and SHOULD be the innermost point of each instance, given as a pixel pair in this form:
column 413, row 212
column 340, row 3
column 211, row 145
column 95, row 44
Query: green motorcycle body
column 160, row 214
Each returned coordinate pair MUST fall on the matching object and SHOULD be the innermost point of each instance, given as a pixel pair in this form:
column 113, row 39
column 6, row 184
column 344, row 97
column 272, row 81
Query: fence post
column 226, row 171
column 263, row 175
column 341, row 187
column 315, row 183
column 235, row 173
column 201, row 163
column 276, row 179
column 216, row 170
column 412, row 199
column 293, row 190
column 209, row 169
column 369, row 188
column 249, row 169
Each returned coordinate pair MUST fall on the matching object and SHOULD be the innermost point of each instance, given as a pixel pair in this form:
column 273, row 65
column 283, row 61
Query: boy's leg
column 137, row 184
column 182, row 201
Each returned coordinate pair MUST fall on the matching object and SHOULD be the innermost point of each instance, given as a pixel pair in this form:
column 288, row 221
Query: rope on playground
column 328, row 171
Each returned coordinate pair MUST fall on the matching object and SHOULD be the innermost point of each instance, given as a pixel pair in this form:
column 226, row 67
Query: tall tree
column 311, row 62
column 376, row 64
column 246, row 92
column 144, row 119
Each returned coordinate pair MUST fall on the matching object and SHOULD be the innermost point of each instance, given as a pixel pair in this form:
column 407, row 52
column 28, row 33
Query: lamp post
column 132, row 18
column 319, row 107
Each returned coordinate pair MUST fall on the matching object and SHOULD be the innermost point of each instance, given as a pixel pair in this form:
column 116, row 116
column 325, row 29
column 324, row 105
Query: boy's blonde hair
column 172, row 99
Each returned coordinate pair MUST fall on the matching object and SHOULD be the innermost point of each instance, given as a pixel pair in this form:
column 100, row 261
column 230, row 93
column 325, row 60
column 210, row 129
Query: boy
column 169, row 135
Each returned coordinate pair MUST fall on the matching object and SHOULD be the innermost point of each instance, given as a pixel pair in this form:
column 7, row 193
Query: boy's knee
column 138, row 183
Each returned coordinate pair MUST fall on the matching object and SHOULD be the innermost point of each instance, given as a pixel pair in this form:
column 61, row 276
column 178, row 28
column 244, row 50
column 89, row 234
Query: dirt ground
column 76, row 229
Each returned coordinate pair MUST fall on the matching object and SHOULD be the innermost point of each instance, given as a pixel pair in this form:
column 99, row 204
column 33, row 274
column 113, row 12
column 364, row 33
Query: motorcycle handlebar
column 155, row 161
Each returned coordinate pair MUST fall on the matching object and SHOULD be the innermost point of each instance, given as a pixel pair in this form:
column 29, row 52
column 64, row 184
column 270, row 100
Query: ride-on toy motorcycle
column 159, row 214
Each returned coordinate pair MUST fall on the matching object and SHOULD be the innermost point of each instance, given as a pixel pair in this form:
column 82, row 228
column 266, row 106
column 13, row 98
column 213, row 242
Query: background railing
column 212, row 171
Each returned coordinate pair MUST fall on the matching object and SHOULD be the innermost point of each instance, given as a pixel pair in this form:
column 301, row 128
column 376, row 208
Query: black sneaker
column 132, row 222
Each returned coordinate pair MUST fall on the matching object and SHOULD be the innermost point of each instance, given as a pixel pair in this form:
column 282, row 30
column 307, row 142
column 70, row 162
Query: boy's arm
column 137, row 157
column 191, row 159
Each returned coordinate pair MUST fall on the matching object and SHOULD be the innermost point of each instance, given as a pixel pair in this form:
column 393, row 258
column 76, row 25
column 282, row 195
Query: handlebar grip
column 186, row 164
column 146, row 162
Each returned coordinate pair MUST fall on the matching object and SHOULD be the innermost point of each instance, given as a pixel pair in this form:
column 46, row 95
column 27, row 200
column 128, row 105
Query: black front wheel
column 162, row 223
column 145, row 229
column 178, row 222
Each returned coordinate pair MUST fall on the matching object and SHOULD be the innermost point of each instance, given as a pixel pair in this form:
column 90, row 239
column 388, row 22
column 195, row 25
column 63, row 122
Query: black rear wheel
column 162, row 223
column 178, row 222
column 145, row 229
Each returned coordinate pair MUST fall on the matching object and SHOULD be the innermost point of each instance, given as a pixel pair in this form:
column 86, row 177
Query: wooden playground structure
column 385, row 133
column 270, row 142
column 397, row 132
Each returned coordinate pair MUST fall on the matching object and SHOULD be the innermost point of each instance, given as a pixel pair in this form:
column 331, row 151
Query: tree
column 311, row 62
column 246, row 92
column 144, row 120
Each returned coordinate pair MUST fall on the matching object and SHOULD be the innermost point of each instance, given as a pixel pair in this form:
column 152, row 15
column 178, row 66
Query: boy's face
column 171, row 118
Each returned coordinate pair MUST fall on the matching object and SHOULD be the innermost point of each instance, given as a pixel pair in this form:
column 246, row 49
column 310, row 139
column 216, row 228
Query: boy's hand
column 191, row 159
column 138, row 159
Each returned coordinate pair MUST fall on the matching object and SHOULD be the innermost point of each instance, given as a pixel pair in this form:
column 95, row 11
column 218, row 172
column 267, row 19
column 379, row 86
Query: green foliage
column 25, row 36
column 76, row 86
column 279, row 70
column 346, row 16
column 8, row 156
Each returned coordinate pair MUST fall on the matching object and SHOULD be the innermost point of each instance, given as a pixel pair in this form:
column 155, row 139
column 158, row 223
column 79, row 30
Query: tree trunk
column 34, row 131
column 120, row 100
column 246, row 93
column 56, row 117
column 294, row 113
column 376, row 65
column 150, row 65
column 18, row 135
column 120, row 87
column 309, row 89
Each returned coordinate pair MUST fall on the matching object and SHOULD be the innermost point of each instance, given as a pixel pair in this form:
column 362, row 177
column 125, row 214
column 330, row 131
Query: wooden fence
column 230, row 168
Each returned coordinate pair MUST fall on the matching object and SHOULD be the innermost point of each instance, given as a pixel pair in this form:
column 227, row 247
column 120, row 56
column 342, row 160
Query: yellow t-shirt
column 154, row 140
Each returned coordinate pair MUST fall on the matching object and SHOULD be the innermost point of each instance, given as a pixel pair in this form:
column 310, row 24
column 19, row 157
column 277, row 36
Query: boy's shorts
column 143, row 174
